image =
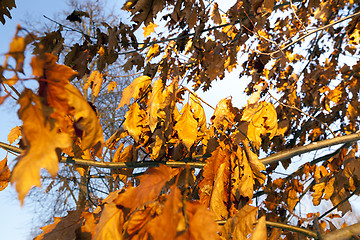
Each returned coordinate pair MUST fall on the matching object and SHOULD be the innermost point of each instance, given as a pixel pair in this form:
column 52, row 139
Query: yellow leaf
column 156, row 105
column 94, row 80
column 14, row 134
column 292, row 199
column 133, row 119
column 134, row 90
column 199, row 113
column 255, row 164
column 150, row 28
column 4, row 174
column 241, row 224
column 318, row 192
column 112, row 86
column 217, row 205
column 153, row 51
column 17, row 48
column 187, row 127
column 224, row 111
column 329, row 189
column 260, row 230
column 43, row 140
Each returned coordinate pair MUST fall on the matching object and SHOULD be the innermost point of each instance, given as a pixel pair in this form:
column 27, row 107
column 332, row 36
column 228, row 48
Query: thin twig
column 296, row 16
column 272, row 54
column 297, row 109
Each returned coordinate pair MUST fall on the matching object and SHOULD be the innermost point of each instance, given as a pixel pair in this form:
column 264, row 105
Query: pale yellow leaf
column 260, row 230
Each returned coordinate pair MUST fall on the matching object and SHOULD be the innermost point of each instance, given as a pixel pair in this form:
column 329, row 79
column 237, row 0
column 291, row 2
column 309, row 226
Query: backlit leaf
column 4, row 174
column 150, row 28
column 14, row 134
column 134, row 90
column 133, row 119
column 43, row 139
column 187, row 127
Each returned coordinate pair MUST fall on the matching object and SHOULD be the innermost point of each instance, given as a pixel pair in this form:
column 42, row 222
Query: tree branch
column 196, row 164
column 344, row 233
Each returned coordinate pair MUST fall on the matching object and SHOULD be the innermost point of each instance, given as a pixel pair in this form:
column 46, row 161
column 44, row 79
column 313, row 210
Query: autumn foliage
column 174, row 172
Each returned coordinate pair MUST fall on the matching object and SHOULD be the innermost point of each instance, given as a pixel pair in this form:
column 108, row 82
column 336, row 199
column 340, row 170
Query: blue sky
column 16, row 222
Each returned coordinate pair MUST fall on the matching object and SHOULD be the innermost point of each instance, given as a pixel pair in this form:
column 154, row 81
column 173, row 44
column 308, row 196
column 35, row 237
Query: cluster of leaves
column 166, row 120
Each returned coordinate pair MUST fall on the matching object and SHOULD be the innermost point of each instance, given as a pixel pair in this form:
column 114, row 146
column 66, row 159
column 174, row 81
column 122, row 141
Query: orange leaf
column 150, row 28
column 241, row 224
column 14, row 134
column 224, row 111
column 199, row 113
column 43, row 140
column 4, row 174
column 217, row 205
column 187, row 127
column 86, row 120
column 153, row 51
column 134, row 90
column 149, row 188
column 112, row 86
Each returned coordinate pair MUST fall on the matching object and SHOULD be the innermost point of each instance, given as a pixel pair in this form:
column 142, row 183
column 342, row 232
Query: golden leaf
column 43, row 140
column 133, row 119
column 149, row 188
column 111, row 220
column 199, row 113
column 187, row 127
column 244, row 185
column 150, row 28
column 318, row 192
column 156, row 105
column 153, row 51
column 14, row 134
column 255, row 164
column 198, row 217
column 112, row 86
column 134, row 90
column 329, row 189
column 94, row 80
column 224, row 113
column 217, row 205
column 171, row 219
column 292, row 198
column 17, row 48
column 86, row 120
column 241, row 224
column 260, row 230
column 4, row 174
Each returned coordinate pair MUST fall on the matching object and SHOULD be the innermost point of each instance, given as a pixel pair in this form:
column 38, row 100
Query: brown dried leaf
column 63, row 227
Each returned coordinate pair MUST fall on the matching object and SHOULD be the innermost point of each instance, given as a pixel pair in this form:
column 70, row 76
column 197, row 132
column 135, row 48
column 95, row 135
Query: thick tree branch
column 344, row 233
column 194, row 164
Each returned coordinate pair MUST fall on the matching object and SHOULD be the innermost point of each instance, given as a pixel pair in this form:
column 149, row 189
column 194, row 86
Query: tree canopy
column 178, row 175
